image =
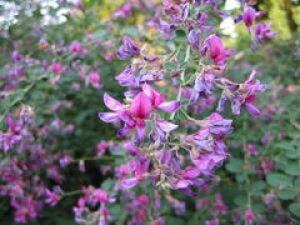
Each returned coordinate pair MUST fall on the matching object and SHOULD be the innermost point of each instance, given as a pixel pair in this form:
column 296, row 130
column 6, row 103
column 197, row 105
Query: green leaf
column 279, row 180
column 292, row 168
column 257, row 188
column 173, row 220
column 287, row 194
column 235, row 165
column 295, row 209
column 240, row 200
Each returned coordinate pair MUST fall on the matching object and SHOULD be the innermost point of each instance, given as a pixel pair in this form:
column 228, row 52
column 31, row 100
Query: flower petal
column 109, row 117
column 171, row 106
column 166, row 126
column 252, row 109
column 112, row 103
column 129, row 183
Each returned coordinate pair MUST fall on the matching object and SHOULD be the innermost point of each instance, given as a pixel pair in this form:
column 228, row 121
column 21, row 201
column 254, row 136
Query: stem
column 102, row 158
column 182, row 75
column 72, row 193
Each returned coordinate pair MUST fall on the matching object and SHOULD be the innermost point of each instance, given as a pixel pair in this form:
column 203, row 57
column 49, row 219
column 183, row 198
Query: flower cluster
column 161, row 153
column 22, row 177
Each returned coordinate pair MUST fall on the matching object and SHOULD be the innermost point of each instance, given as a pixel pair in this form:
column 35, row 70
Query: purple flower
column 203, row 86
column 263, row 32
column 65, row 160
column 129, row 183
column 126, row 78
column 113, row 105
column 249, row 16
column 166, row 29
column 193, row 38
column 17, row 71
column 128, row 49
column 163, row 128
column 124, row 11
column 243, row 96
column 212, row 222
column 52, row 197
column 16, row 56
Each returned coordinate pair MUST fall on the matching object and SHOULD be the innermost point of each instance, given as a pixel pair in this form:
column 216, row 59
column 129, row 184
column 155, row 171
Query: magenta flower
column 76, row 48
column 94, row 79
column 57, row 68
column 215, row 47
column 220, row 206
column 141, row 106
column 249, row 16
column 101, row 148
column 251, row 149
column 263, row 32
column 134, row 116
column 138, row 171
column 128, row 49
column 249, row 217
column 52, row 197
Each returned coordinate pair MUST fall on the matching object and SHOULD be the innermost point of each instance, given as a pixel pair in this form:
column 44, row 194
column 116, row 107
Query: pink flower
column 76, row 48
column 57, row 68
column 249, row 217
column 249, row 16
column 101, row 148
column 251, row 149
column 94, row 79
column 100, row 196
column 141, row 106
column 215, row 47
